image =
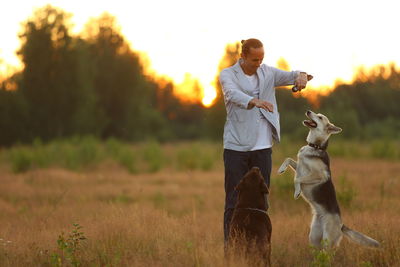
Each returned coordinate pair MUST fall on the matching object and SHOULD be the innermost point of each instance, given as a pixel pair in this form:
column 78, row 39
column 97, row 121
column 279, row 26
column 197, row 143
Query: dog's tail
column 359, row 237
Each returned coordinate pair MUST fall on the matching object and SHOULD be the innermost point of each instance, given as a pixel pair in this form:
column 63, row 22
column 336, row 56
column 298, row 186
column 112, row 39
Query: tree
column 125, row 96
column 49, row 80
column 13, row 113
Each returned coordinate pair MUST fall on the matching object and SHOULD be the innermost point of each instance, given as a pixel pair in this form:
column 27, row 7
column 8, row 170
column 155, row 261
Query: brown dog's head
column 252, row 189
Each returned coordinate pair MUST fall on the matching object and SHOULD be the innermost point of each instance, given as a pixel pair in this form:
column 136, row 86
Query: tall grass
column 173, row 217
column 170, row 218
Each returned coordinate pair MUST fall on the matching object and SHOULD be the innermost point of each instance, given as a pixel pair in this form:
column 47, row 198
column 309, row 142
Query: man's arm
column 283, row 78
column 231, row 91
column 233, row 94
column 255, row 102
column 297, row 78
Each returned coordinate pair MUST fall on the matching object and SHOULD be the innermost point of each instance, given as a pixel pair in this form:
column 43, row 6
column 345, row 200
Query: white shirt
column 264, row 138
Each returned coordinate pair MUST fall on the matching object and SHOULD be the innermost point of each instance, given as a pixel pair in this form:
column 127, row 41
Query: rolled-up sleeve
column 232, row 92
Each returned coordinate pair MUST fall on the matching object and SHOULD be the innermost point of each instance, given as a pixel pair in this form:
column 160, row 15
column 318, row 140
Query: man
column 252, row 121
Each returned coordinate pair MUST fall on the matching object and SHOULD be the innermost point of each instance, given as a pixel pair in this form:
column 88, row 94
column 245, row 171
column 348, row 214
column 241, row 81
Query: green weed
column 322, row 257
column 69, row 248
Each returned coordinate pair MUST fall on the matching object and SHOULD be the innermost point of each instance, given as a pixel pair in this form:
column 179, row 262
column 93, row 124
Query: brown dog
column 251, row 227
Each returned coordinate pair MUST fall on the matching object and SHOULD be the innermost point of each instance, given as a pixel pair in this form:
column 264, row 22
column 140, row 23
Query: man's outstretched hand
column 255, row 102
column 302, row 80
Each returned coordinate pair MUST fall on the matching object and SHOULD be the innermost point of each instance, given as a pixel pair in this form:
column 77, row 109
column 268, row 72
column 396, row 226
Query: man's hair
column 250, row 43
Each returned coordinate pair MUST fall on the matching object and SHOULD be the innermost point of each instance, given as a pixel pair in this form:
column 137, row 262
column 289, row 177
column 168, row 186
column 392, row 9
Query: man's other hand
column 255, row 102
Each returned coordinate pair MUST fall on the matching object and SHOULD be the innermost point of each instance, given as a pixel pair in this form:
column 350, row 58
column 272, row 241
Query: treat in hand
column 301, row 81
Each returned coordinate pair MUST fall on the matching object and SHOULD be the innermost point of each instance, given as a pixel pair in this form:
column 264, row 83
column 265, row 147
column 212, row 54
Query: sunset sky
column 328, row 39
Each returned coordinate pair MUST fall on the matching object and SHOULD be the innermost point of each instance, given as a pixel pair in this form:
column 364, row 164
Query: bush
column 384, row 149
column 122, row 154
column 153, row 156
column 193, row 157
column 187, row 158
column 21, row 159
column 127, row 159
column 81, row 152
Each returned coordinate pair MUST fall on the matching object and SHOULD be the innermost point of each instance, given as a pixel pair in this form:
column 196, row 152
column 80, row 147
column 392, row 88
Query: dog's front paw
column 282, row 168
column 297, row 191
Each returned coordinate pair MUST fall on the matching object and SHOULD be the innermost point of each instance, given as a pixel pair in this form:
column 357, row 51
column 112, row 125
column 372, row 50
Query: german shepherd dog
column 251, row 226
column 313, row 182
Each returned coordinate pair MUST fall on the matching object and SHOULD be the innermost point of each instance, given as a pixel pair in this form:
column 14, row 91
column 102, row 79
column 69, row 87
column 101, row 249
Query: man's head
column 252, row 55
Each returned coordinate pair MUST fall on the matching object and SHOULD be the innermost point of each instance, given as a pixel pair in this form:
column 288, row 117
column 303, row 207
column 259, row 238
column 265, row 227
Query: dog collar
column 263, row 211
column 316, row 146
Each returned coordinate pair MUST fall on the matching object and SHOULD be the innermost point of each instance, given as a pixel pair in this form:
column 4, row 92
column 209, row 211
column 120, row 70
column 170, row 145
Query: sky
column 328, row 39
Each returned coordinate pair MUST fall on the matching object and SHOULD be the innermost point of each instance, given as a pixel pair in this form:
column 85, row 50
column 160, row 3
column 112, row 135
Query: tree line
column 95, row 84
column 90, row 84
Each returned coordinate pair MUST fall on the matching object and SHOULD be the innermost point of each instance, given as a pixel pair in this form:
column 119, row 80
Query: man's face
column 253, row 60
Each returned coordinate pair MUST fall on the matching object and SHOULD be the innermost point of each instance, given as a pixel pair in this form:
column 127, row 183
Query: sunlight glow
column 185, row 40
column 209, row 94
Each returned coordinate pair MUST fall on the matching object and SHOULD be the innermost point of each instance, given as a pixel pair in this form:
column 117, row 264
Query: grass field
column 170, row 213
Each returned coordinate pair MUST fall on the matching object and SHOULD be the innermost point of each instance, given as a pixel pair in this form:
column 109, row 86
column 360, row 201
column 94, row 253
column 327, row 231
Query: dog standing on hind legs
column 313, row 182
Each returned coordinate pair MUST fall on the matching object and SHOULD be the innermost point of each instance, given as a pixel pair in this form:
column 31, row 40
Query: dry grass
column 174, row 218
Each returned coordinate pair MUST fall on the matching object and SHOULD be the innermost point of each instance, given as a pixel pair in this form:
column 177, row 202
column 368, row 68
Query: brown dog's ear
column 236, row 188
column 239, row 186
column 264, row 188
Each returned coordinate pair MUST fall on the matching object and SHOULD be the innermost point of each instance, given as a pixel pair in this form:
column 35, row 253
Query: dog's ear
column 240, row 186
column 332, row 129
column 264, row 188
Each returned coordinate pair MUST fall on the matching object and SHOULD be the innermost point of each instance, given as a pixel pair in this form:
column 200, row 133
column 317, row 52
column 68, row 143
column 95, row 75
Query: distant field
column 171, row 214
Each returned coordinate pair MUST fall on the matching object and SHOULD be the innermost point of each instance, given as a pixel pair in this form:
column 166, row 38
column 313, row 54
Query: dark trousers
column 237, row 164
